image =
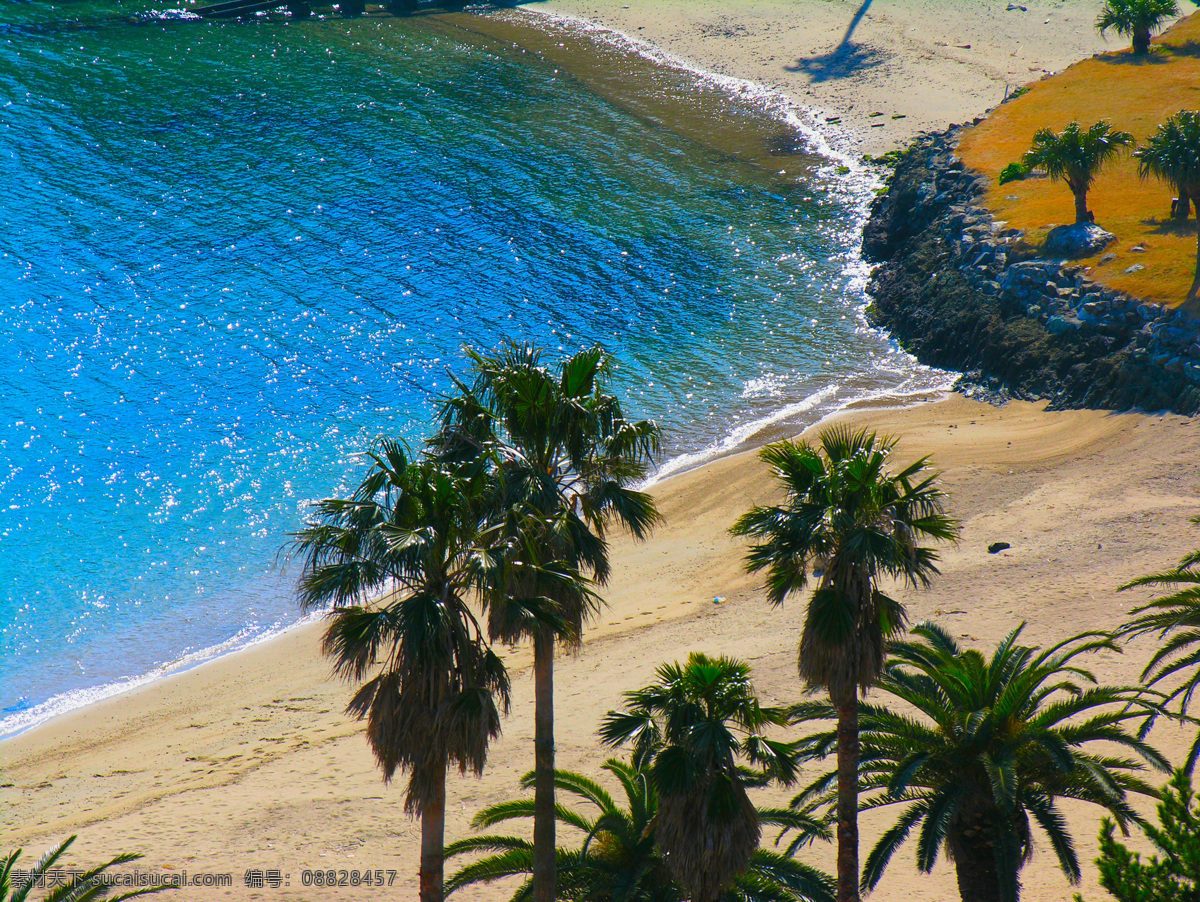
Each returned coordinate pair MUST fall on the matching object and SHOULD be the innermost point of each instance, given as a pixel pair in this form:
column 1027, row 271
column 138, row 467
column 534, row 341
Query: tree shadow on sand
column 845, row 59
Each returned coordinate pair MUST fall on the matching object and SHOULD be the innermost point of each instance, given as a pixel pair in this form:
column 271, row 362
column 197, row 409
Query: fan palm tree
column 1172, row 154
column 1137, row 18
column 400, row 560
column 992, row 746
column 1175, row 620
column 567, row 457
column 692, row 730
column 78, row 886
column 1076, row 157
column 618, row 860
column 849, row 522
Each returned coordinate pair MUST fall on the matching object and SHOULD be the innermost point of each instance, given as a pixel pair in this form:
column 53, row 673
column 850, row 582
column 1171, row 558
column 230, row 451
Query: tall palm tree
column 1137, row 18
column 400, row 561
column 1172, row 154
column 991, row 747
column 849, row 522
column 618, row 860
column 79, row 886
column 695, row 730
column 1175, row 620
column 1076, row 157
column 568, row 457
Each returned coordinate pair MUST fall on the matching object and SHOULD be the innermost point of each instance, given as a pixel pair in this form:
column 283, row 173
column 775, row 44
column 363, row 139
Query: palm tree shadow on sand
column 845, row 59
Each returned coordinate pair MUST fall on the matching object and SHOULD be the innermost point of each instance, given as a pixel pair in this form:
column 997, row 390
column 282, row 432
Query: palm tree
column 991, row 747
column 692, row 730
column 1076, row 157
column 849, row 522
column 400, row 561
column 618, row 860
column 1137, row 18
column 79, row 886
column 1175, row 619
column 567, row 458
column 1172, row 154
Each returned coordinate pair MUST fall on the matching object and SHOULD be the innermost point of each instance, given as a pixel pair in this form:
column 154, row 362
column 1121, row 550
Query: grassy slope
column 1136, row 95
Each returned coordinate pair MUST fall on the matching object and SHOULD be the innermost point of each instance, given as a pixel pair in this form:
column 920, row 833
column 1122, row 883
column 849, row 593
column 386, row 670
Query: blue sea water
column 232, row 255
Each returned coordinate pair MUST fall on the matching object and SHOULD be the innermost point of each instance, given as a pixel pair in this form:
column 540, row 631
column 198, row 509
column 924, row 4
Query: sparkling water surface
column 232, row 255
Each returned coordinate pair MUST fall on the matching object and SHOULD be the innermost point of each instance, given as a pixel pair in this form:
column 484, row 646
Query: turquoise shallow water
column 231, row 255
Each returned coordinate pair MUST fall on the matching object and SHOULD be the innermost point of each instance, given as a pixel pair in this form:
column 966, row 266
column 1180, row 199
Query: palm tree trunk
column 433, row 843
column 1141, row 41
column 847, row 803
column 1081, row 210
column 975, row 864
column 1183, row 205
column 544, row 861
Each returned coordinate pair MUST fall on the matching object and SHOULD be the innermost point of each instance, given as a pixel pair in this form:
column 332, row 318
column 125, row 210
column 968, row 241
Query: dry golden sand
column 248, row 762
column 933, row 62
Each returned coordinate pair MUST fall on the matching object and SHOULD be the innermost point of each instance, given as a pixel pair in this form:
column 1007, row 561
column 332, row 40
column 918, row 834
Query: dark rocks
column 997, row 547
column 1081, row 239
column 960, row 291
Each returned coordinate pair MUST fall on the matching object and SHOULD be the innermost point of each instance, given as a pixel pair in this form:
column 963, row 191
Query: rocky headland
column 960, row 290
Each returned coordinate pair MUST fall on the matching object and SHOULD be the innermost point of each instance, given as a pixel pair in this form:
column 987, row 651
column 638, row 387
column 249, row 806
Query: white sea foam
column 22, row 720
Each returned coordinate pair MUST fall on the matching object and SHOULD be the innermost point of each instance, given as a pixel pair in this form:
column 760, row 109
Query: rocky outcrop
column 1080, row 239
column 959, row 290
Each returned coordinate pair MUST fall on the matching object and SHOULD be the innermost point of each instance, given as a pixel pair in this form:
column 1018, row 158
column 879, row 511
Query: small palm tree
column 692, row 730
column 567, row 457
column 1175, row 620
column 1172, row 154
column 992, row 746
column 1076, row 157
column 1137, row 18
column 78, row 886
column 618, row 860
column 400, row 561
column 849, row 522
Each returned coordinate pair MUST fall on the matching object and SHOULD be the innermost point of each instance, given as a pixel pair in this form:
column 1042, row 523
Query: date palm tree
column 1138, row 19
column 80, row 886
column 618, row 860
column 849, row 522
column 400, row 562
column 568, row 456
column 698, row 731
column 991, row 747
column 1175, row 620
column 1172, row 154
column 1076, row 157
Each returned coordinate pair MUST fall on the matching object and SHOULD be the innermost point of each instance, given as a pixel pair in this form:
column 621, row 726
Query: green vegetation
column 1076, row 157
column 691, row 730
column 497, row 533
column 565, row 457
column 848, row 522
column 1173, row 877
column 1137, row 19
column 78, row 886
column 995, row 744
column 1013, row 172
column 1172, row 154
column 401, row 560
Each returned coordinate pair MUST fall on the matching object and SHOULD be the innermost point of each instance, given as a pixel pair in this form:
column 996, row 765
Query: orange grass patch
column 1136, row 96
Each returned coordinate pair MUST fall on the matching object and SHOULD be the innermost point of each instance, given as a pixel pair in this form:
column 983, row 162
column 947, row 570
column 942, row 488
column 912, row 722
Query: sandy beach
column 247, row 762
column 886, row 69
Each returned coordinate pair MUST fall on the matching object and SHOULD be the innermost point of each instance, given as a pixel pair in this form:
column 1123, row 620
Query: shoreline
column 248, row 760
column 831, row 145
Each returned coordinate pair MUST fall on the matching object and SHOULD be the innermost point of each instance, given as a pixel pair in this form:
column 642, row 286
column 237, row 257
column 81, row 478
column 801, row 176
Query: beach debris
column 717, row 599
column 833, row 118
column 873, row 115
column 899, row 115
column 1013, row 6
column 997, row 547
